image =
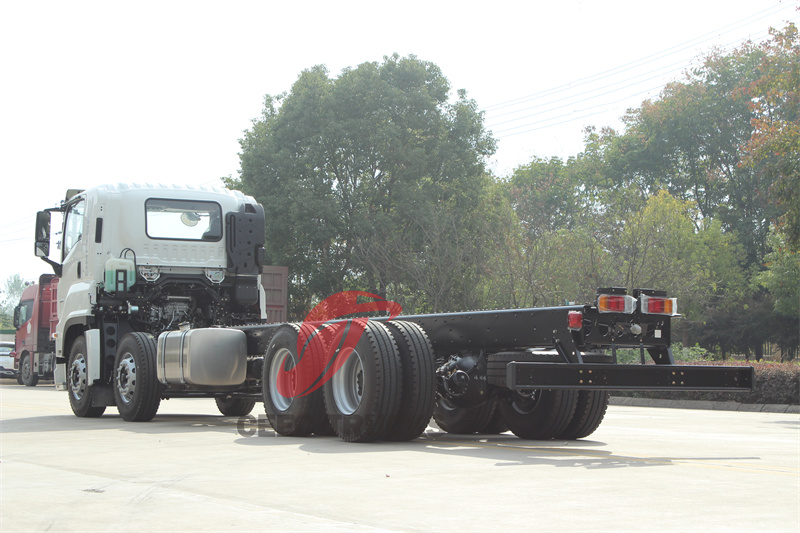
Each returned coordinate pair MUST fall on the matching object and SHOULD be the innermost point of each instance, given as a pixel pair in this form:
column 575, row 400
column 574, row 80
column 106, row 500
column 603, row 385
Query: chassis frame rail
column 589, row 376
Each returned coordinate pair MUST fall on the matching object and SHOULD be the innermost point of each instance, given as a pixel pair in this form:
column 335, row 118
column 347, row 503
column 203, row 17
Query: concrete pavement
column 191, row 469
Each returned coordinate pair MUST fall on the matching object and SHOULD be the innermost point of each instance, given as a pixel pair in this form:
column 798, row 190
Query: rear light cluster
column 657, row 305
column 647, row 303
column 616, row 303
column 624, row 303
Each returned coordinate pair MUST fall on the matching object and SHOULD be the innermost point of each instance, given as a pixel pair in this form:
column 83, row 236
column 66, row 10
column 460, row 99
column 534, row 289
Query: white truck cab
column 145, row 260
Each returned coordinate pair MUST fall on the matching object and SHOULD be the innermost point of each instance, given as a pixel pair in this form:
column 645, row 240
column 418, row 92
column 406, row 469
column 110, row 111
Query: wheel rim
column 77, row 377
column 126, row 378
column 348, row 384
column 26, row 368
column 277, row 368
column 525, row 403
column 446, row 404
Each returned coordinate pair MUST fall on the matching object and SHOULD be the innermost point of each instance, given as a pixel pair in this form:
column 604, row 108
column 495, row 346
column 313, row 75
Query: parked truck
column 35, row 319
column 160, row 297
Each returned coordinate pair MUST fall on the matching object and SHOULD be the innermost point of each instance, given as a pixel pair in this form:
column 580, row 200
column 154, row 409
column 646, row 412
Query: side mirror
column 43, row 241
column 43, row 234
column 16, row 318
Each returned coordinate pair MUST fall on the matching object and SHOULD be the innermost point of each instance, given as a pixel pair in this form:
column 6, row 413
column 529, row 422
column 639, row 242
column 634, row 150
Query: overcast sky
column 109, row 91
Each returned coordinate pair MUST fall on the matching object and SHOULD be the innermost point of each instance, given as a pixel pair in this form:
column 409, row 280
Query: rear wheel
column 496, row 424
column 28, row 377
column 540, row 414
column 462, row 420
column 419, row 383
column 136, row 388
column 363, row 397
column 589, row 412
column 290, row 412
column 235, row 406
column 80, row 393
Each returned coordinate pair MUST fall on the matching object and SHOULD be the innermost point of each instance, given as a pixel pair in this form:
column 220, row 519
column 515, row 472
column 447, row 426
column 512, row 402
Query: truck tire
column 79, row 391
column 419, row 381
column 589, row 412
column 462, row 420
column 542, row 415
column 136, row 388
column 235, row 406
column 298, row 416
column 495, row 424
column 363, row 396
column 28, row 377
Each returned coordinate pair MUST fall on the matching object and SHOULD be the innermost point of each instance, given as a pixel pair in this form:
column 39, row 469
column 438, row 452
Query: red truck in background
column 35, row 320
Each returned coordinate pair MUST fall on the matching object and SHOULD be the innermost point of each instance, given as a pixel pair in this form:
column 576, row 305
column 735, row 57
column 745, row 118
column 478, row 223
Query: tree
column 544, row 196
column 773, row 149
column 11, row 293
column 781, row 279
column 342, row 163
column 689, row 141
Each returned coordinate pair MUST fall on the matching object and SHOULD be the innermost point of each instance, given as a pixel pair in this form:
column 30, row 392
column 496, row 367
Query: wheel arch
column 71, row 332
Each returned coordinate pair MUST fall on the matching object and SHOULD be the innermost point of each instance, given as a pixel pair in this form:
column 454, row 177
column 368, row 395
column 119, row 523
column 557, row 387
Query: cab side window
column 25, row 311
column 73, row 226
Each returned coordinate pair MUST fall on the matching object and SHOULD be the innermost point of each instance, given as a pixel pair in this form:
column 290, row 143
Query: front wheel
column 28, row 377
column 79, row 390
column 136, row 387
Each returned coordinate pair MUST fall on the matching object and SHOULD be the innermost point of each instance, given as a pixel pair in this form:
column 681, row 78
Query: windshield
column 183, row 220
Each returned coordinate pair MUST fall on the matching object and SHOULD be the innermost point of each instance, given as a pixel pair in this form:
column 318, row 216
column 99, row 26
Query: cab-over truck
column 160, row 297
column 35, row 319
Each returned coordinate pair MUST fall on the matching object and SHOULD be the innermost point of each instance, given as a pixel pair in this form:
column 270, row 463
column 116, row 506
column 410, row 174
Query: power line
column 576, row 100
column 658, row 55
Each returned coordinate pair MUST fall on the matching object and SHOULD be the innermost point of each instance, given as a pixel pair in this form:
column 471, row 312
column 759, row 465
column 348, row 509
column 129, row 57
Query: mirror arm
column 57, row 267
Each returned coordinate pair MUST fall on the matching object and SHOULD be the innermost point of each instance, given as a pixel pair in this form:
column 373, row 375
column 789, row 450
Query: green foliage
column 782, row 277
column 12, row 290
column 376, row 155
column 688, row 143
column 773, row 149
column 375, row 180
column 10, row 294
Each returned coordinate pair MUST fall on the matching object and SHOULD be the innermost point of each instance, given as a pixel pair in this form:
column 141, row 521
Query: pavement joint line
column 704, row 405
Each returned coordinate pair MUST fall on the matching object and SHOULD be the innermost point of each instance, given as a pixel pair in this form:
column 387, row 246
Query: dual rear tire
column 382, row 388
column 538, row 415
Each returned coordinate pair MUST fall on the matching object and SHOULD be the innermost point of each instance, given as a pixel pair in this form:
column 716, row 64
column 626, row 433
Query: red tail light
column 656, row 305
column 575, row 320
column 616, row 303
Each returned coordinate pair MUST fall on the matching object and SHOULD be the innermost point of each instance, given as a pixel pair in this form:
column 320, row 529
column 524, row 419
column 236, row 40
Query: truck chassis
column 160, row 297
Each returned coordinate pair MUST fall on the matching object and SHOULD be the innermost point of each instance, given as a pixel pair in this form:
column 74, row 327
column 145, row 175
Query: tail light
column 616, row 303
column 575, row 320
column 657, row 305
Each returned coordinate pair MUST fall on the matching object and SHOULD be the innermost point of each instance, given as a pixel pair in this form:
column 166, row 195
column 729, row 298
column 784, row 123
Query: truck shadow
column 505, row 449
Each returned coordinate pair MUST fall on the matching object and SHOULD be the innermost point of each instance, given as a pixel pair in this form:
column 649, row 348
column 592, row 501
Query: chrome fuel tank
column 206, row 357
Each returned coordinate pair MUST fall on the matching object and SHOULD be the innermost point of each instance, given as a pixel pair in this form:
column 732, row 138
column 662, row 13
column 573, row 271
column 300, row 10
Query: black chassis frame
column 518, row 330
